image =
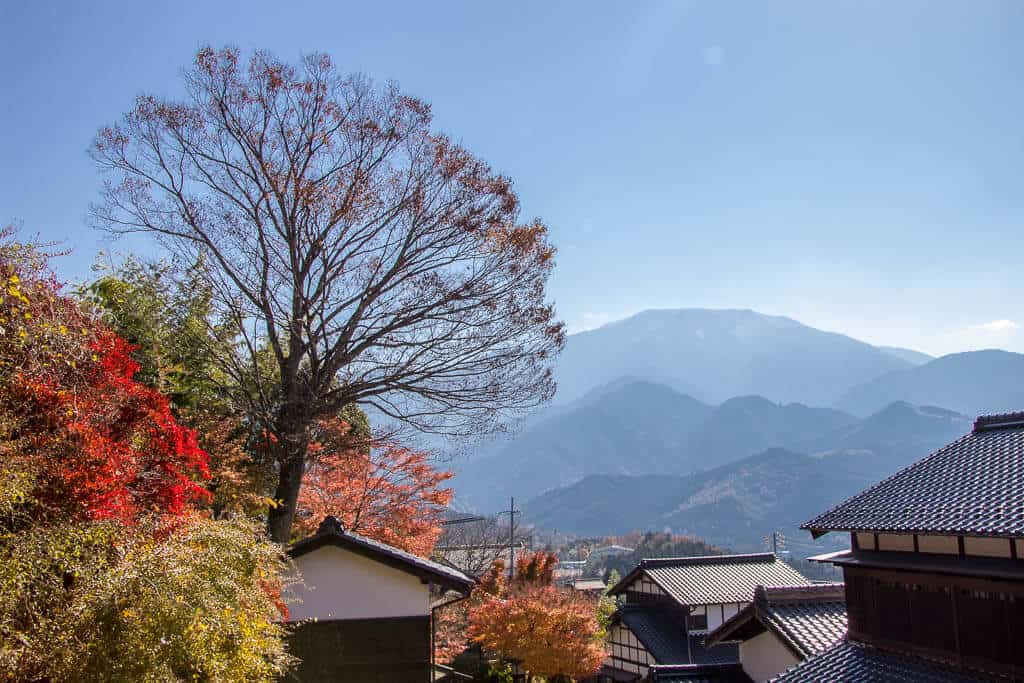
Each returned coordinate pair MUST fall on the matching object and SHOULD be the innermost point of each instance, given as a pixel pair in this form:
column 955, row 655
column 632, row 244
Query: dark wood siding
column 362, row 650
column 976, row 624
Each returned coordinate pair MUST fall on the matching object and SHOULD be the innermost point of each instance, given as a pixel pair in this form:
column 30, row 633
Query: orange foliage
column 375, row 487
column 550, row 632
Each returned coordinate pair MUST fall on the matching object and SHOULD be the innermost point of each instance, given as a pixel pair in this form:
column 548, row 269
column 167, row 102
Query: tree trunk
column 280, row 518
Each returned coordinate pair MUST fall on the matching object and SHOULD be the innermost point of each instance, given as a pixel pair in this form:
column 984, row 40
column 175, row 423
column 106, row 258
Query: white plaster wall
column 718, row 614
column 714, row 617
column 730, row 611
column 340, row 584
column 764, row 656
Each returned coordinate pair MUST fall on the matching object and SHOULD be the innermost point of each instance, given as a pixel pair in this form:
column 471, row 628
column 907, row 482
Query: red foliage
column 98, row 444
column 377, row 488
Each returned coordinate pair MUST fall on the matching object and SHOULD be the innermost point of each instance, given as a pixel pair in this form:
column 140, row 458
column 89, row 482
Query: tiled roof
column 970, row 487
column 808, row 619
column 714, row 579
column 698, row 673
column 851, row 662
column 331, row 532
column 663, row 633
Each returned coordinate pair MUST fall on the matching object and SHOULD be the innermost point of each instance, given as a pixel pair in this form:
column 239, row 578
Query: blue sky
column 854, row 165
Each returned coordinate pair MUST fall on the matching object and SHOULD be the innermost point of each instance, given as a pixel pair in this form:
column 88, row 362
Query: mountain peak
column 715, row 354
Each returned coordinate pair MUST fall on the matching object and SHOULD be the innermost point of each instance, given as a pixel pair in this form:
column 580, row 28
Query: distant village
column 932, row 588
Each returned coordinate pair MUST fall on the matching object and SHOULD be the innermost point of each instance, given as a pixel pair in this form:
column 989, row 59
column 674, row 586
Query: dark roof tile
column 811, row 618
column 971, row 486
column 713, row 579
column 851, row 662
column 808, row 619
column 662, row 631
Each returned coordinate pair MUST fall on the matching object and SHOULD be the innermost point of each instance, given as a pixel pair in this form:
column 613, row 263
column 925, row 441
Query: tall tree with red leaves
column 108, row 568
column 96, row 443
column 375, row 486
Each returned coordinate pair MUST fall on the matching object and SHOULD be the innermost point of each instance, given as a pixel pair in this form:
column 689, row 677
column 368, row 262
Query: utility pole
column 512, row 537
column 775, row 540
column 511, row 512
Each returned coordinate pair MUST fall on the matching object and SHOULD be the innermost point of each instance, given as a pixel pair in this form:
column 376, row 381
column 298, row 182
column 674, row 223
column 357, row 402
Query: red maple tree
column 550, row 632
column 86, row 439
column 375, row 487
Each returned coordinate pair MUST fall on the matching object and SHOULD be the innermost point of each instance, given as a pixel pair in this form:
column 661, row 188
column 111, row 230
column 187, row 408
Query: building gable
column 340, row 584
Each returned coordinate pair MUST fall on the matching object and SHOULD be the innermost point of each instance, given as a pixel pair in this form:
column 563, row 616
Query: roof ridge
column 815, row 592
column 999, row 421
column 706, row 559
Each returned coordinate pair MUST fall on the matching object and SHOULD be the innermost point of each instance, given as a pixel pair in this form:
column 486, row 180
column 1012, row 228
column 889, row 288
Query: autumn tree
column 375, row 260
column 375, row 486
column 166, row 317
column 550, row 632
column 107, row 572
column 86, row 439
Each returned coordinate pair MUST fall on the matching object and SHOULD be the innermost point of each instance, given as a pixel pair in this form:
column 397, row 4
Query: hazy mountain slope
column 970, row 383
column 736, row 504
column 714, row 355
column 911, row 356
column 900, row 432
column 732, row 506
column 746, row 425
column 635, row 427
column 630, row 427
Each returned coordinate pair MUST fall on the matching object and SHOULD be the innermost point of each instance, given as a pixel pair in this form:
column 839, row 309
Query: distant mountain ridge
column 911, row 356
column 634, row 427
column 737, row 504
column 972, row 383
column 714, row 355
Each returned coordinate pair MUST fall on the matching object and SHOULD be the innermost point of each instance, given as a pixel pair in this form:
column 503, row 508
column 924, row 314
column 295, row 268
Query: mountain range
column 737, row 504
column 754, row 418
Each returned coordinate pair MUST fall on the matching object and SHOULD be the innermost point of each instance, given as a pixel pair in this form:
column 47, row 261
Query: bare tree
column 368, row 259
column 474, row 545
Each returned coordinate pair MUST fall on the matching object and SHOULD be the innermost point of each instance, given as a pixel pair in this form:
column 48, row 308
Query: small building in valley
column 612, row 550
column 670, row 604
column 363, row 609
column 783, row 626
column 935, row 571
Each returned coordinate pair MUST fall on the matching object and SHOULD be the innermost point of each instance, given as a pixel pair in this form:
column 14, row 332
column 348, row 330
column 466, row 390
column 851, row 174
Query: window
column 696, row 622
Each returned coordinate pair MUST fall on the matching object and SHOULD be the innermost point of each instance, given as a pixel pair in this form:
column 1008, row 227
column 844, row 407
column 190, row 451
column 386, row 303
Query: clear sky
column 857, row 166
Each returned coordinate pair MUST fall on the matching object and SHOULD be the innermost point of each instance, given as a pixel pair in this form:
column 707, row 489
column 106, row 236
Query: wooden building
column 669, row 605
column 935, row 571
column 783, row 626
column 363, row 609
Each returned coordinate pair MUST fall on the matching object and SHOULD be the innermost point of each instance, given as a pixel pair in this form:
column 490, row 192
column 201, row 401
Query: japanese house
column 784, row 626
column 363, row 611
column 935, row 571
column 669, row 605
